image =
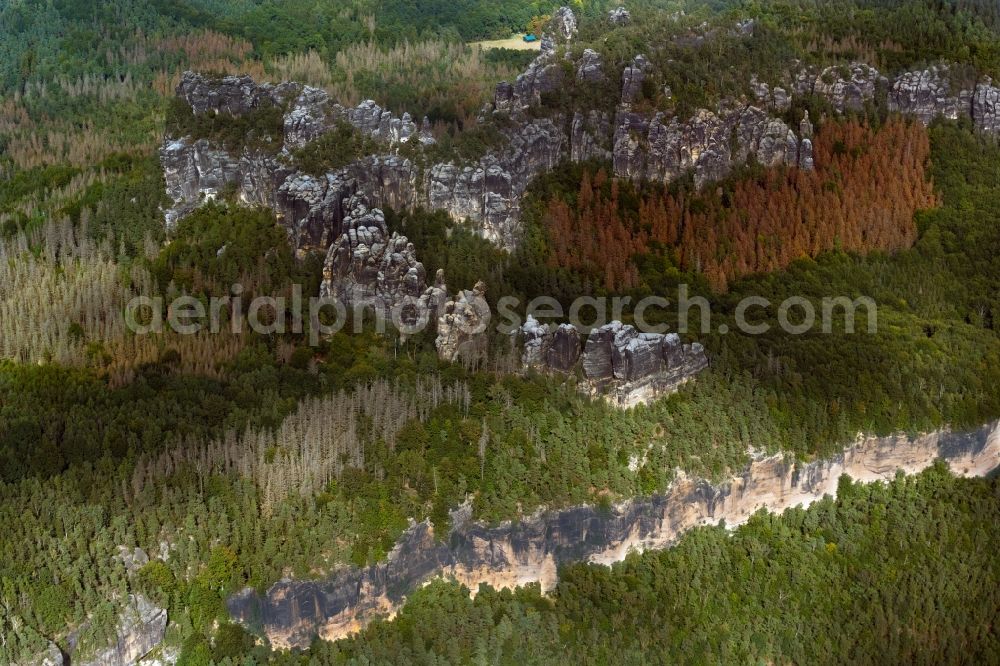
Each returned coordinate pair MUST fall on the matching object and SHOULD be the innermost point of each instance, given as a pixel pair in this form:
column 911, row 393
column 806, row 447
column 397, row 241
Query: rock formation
column 709, row 144
column 462, row 325
column 486, row 191
column 293, row 612
column 642, row 143
column 771, row 98
column 926, row 94
column 589, row 68
column 619, row 16
column 618, row 362
column 846, row 87
column 986, row 109
column 140, row 629
column 368, row 269
column 232, row 95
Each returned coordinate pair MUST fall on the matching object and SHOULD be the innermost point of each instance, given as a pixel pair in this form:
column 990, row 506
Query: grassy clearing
column 516, row 43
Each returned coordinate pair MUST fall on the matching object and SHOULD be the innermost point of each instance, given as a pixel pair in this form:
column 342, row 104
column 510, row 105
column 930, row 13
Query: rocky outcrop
column 771, row 98
column 589, row 136
column 589, row 69
column 132, row 559
column 233, row 95
column 487, row 191
column 986, row 109
column 293, row 612
column 632, row 79
column 628, row 368
column 313, row 114
column 642, row 143
column 618, row 362
column 369, row 269
column 462, row 325
column 846, row 87
column 709, row 145
column 926, row 95
column 562, row 28
column 619, row 16
column 140, row 629
column 196, row 171
column 805, row 145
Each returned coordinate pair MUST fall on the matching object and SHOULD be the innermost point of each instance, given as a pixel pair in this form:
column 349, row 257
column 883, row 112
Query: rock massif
column 293, row 612
column 618, row 362
column 486, row 191
column 641, row 143
column 367, row 268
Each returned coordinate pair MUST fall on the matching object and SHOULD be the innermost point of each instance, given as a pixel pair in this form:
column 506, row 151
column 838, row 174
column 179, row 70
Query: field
column 516, row 42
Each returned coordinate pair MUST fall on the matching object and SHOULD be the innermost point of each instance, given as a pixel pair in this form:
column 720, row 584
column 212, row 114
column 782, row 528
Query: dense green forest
column 109, row 440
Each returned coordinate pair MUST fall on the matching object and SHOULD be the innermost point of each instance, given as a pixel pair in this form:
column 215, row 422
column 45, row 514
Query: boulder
column 619, row 16
column 589, row 68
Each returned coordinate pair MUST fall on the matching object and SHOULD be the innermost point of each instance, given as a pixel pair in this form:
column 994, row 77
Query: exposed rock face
column 641, row 144
column 632, row 79
column 562, row 27
column 628, row 367
column 314, row 113
column 313, row 209
column 589, row 69
column 487, row 192
column 512, row 554
column 234, row 95
column 589, row 136
column 847, row 87
column 462, row 325
column 986, row 109
column 550, row 348
column 132, row 558
column 140, row 629
column 773, row 99
column 708, row 144
column 926, row 94
column 195, row 171
column 564, row 348
column 619, row 16
column 618, row 362
column 366, row 268
column 536, row 340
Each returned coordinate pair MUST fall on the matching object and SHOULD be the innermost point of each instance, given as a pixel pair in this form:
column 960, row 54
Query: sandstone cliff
column 293, row 612
column 141, row 627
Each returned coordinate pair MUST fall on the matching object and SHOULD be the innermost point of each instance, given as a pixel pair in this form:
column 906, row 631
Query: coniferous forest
column 234, row 460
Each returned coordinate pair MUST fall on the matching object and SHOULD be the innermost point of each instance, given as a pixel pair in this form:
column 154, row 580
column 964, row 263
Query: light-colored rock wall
column 514, row 554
